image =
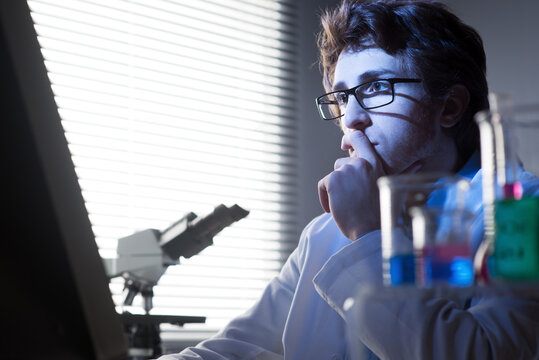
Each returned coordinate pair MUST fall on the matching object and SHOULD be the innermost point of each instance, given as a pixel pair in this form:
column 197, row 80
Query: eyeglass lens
column 370, row 95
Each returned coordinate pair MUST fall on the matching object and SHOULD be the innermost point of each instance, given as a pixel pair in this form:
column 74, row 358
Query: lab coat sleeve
column 256, row 334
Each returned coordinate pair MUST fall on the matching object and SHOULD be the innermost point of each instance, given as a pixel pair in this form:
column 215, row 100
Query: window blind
column 178, row 106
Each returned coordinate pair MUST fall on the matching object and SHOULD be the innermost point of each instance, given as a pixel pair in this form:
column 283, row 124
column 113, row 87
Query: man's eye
column 379, row 86
column 376, row 87
column 341, row 98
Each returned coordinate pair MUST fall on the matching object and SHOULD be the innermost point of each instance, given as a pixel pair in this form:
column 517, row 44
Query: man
column 404, row 81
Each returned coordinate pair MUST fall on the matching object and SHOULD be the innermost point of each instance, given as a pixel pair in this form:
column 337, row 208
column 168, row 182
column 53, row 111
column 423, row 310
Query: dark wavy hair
column 431, row 41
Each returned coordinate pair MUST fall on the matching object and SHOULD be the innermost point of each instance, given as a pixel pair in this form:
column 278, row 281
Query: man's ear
column 455, row 104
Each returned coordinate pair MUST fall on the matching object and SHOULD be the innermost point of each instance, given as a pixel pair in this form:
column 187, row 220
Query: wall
column 510, row 32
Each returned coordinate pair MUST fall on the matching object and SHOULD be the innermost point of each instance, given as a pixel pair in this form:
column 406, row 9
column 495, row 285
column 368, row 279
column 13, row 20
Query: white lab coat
column 300, row 316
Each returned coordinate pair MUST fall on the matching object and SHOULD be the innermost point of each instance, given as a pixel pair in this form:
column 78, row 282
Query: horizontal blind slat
column 193, row 120
column 133, row 36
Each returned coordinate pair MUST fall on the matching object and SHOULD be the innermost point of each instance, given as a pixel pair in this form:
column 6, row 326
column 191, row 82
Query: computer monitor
column 55, row 300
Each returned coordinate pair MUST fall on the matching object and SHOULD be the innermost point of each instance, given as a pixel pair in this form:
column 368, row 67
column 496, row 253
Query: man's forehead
column 356, row 66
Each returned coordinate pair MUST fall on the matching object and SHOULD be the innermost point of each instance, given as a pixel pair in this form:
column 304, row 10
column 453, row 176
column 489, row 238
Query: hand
column 350, row 192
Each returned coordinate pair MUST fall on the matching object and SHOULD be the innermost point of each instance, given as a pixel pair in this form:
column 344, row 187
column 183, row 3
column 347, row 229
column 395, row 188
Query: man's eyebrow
column 373, row 75
column 366, row 76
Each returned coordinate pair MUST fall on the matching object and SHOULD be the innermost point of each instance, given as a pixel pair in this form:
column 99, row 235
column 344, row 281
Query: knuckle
column 340, row 162
column 347, row 168
column 364, row 164
column 334, row 179
column 361, row 161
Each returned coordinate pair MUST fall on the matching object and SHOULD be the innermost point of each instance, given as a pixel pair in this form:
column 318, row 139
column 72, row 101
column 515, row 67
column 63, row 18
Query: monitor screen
column 56, row 302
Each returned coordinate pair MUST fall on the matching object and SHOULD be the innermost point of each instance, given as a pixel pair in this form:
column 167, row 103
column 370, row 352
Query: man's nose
column 355, row 117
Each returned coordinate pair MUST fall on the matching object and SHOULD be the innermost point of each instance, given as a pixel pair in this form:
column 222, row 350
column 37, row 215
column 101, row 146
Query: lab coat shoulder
column 320, row 239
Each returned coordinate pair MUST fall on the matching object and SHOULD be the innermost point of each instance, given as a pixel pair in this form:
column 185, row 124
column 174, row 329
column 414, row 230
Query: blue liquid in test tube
column 448, row 264
column 402, row 269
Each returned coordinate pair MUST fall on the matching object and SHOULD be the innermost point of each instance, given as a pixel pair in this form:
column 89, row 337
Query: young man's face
column 406, row 133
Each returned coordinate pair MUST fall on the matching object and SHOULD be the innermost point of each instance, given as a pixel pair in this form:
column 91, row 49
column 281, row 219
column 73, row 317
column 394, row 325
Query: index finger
column 363, row 147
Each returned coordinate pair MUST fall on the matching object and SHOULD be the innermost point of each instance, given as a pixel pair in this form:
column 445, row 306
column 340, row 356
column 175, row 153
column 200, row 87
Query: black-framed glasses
column 369, row 95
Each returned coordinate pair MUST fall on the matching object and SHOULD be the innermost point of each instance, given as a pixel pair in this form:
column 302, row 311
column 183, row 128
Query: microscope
column 143, row 258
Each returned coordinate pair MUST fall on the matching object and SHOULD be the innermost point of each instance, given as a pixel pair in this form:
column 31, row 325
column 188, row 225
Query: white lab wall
column 510, row 31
